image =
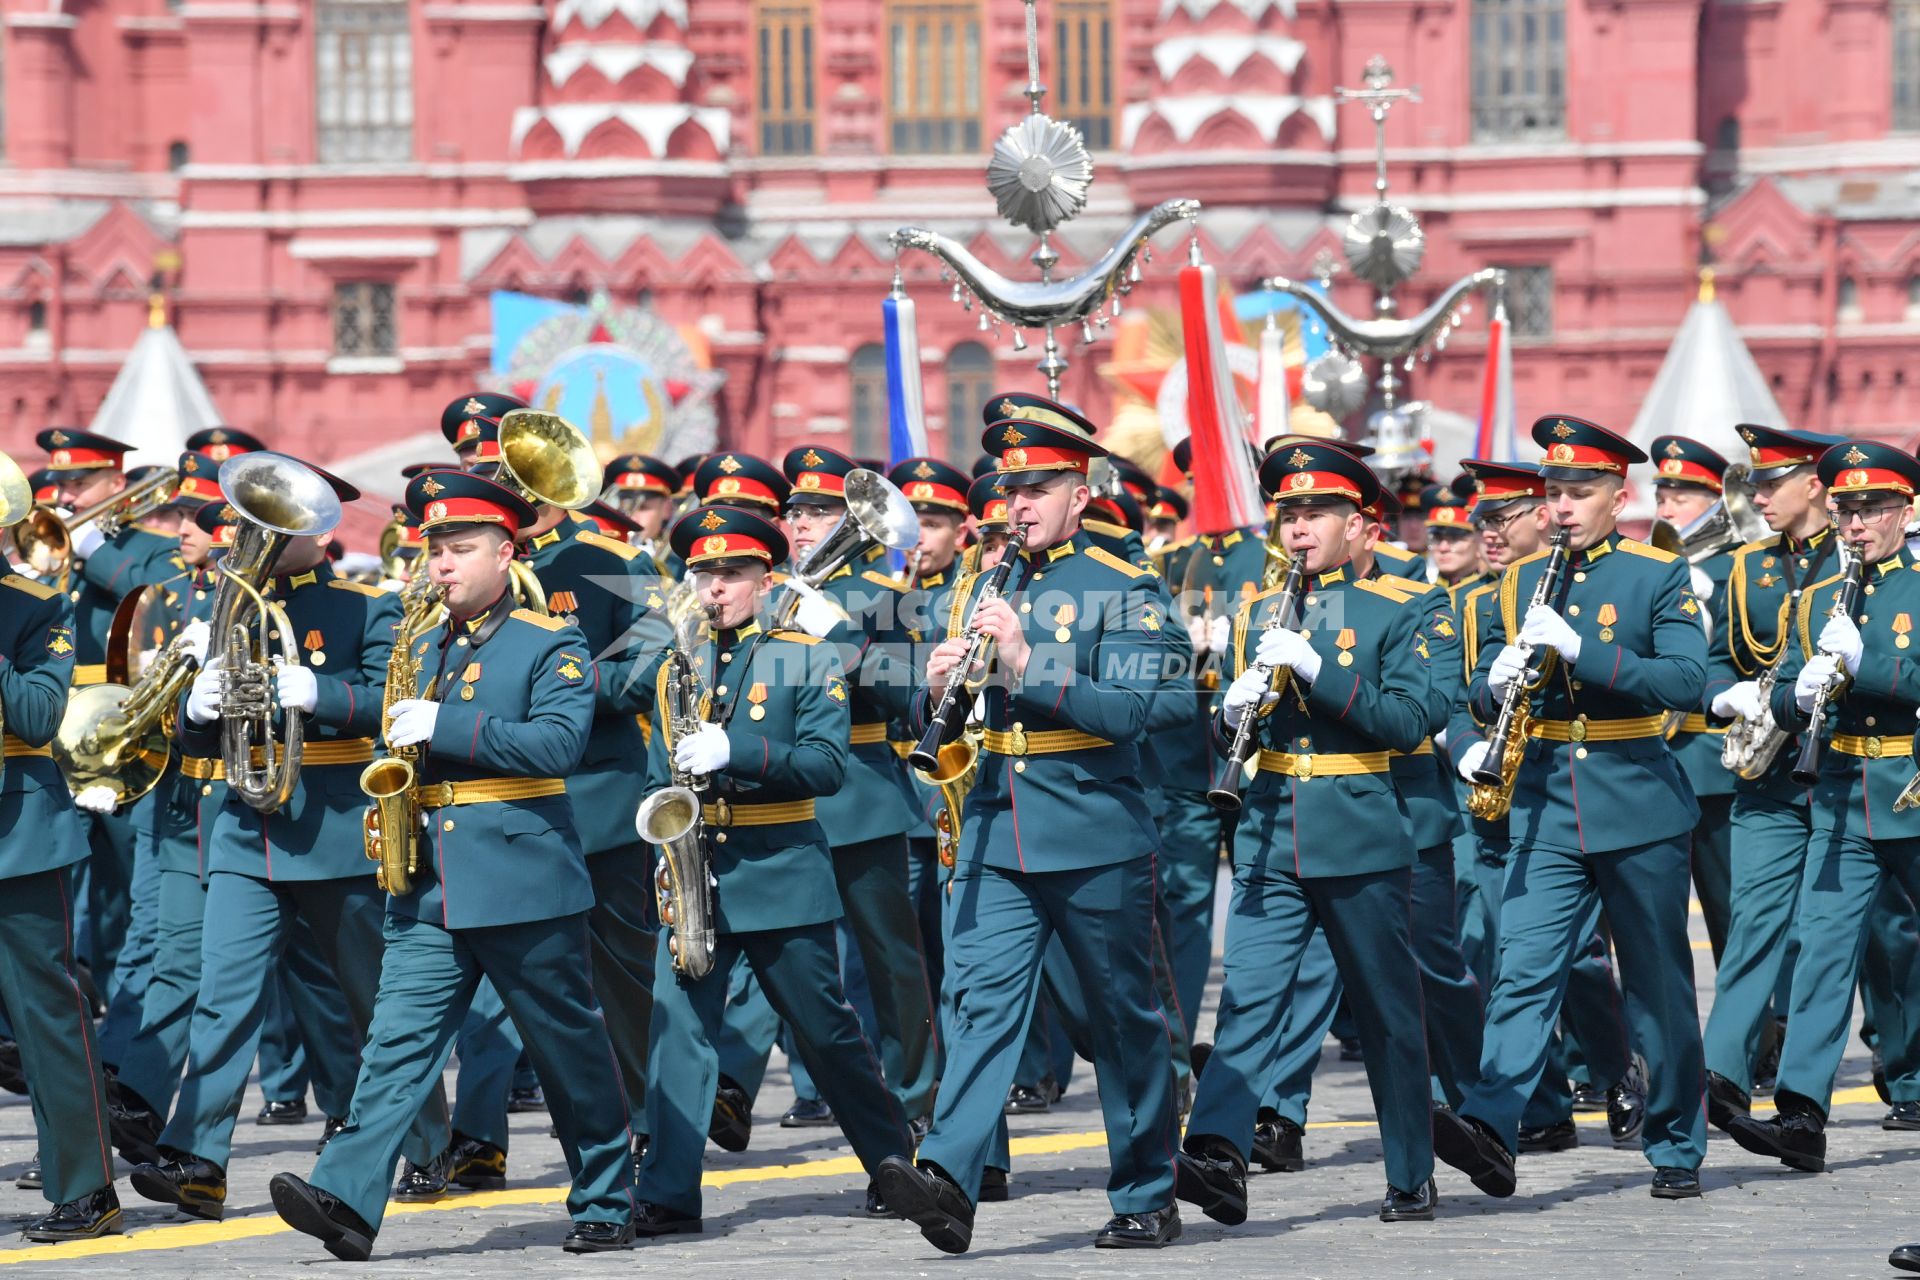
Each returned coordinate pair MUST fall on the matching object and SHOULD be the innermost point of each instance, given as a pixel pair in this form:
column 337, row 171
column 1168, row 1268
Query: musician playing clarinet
column 1057, row 841
column 1332, row 672
column 1599, row 807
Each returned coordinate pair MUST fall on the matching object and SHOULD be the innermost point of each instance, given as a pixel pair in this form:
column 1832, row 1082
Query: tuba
column 390, row 828
column 1729, row 523
column 878, row 515
column 277, row 499
column 672, row 817
column 549, row 462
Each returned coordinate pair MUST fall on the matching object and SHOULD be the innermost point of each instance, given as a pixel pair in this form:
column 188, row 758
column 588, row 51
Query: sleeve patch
column 571, row 668
column 837, row 689
column 60, row 641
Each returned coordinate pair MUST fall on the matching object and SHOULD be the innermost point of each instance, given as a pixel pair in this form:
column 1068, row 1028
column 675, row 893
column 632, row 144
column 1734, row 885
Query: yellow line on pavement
column 191, row 1235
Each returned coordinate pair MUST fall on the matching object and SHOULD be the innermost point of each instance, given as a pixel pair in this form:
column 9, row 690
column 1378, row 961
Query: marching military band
column 619, row 775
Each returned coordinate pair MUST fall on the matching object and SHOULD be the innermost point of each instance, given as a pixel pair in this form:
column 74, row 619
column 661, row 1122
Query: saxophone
column 1492, row 794
column 1754, row 741
column 671, row 817
column 391, row 826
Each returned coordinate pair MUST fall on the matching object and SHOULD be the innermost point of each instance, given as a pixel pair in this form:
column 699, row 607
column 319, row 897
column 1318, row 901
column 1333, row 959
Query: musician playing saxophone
column 503, row 892
column 1772, row 824
column 773, row 743
column 1338, row 679
column 1860, row 657
column 306, row 859
column 1622, row 641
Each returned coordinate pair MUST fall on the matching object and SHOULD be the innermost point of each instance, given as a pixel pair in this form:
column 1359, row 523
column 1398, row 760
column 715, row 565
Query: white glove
column 705, row 750
column 1742, row 701
column 1220, row 634
column 1509, row 664
column 1815, row 676
column 203, row 704
column 193, row 639
column 817, row 615
column 296, row 688
column 1440, row 740
column 1471, row 759
column 1545, row 627
column 1283, row 648
column 87, row 541
column 1702, row 582
column 96, row 799
column 412, row 723
column 1248, row 689
column 1842, row 639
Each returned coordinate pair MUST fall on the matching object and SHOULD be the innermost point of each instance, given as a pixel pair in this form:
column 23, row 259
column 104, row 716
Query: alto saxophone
column 391, row 826
column 1492, row 793
column 1754, row 741
column 672, row 819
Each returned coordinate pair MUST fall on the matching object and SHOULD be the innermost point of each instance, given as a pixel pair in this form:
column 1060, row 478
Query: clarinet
column 1806, row 769
column 950, row 714
column 1226, row 796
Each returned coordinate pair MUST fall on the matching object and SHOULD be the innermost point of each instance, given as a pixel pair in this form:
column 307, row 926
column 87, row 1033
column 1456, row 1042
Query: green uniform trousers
column 1192, row 833
column 134, row 968
column 54, row 1027
column 248, row 924
column 156, row 1054
column 490, row 1050
column 107, row 907
column 1769, row 858
column 1839, row 886
column 1545, row 923
column 1713, row 868
column 1002, row 922
column 426, row 979
column 1270, row 926
column 872, row 877
column 798, row 971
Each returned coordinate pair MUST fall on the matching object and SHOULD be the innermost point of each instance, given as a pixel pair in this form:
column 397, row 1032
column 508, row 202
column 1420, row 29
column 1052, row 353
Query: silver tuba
column 277, row 500
column 878, row 515
column 671, row 817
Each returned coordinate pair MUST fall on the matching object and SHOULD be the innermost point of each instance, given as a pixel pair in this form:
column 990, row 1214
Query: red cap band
column 722, row 546
column 1687, row 471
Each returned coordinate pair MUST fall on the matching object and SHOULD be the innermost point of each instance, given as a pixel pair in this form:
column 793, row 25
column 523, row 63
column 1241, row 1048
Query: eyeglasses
column 1877, row 513
column 1500, row 524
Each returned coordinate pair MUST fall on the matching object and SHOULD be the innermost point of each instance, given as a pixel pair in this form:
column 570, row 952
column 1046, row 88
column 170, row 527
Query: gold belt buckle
column 722, row 813
column 435, row 795
column 1302, row 767
column 1577, row 731
column 1873, row 748
column 1017, row 741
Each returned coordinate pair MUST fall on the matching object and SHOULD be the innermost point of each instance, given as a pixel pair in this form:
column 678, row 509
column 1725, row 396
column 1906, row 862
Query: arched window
column 867, row 416
column 363, row 52
column 1519, row 62
column 783, row 93
column 969, row 383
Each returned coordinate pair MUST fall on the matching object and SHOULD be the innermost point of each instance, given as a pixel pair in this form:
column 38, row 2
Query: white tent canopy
column 1707, row 384
column 157, row 400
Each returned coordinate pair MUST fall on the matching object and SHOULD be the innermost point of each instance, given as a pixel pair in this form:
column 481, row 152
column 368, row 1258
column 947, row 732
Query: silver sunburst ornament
column 1384, row 245
column 1039, row 173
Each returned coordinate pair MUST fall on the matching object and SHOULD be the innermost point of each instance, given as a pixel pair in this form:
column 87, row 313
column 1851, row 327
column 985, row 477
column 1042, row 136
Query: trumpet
column 1492, row 794
column 949, row 715
column 278, row 499
column 45, row 541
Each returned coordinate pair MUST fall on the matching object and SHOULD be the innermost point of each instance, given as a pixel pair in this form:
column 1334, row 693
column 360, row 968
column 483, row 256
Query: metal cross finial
column 1378, row 97
column 1034, row 90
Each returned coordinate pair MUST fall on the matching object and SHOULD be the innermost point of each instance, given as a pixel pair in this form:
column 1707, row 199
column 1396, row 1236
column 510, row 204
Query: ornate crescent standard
column 1044, row 304
column 1389, row 337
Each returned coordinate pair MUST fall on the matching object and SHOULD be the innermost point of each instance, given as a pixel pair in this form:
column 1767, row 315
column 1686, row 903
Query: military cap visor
column 988, row 503
column 458, row 420
column 711, row 537
column 818, row 475
column 217, row 521
column 444, row 501
column 740, row 478
column 1168, row 504
column 1318, row 473
column 639, row 472
column 71, row 449
column 221, row 443
column 610, row 519
column 1774, row 451
column 1578, row 450
column 931, row 484
column 1680, row 461
column 199, row 480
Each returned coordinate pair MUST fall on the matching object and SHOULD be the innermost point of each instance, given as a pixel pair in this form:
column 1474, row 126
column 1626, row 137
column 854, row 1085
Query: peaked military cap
column 737, row 478
column 1774, row 451
column 199, row 480
column 1867, row 466
column 1030, row 433
column 1168, row 504
column 641, row 472
column 1133, row 478
column 988, row 502
column 46, row 484
column 610, row 520
column 1498, row 483
column 221, row 443
column 444, row 500
column 712, row 536
column 1119, row 508
column 71, row 449
column 1579, row 450
column 1317, row 471
column 1680, row 461
column 217, row 520
column 929, row 482
column 818, row 475
column 459, row 420
column 1442, row 508
column 984, row 465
